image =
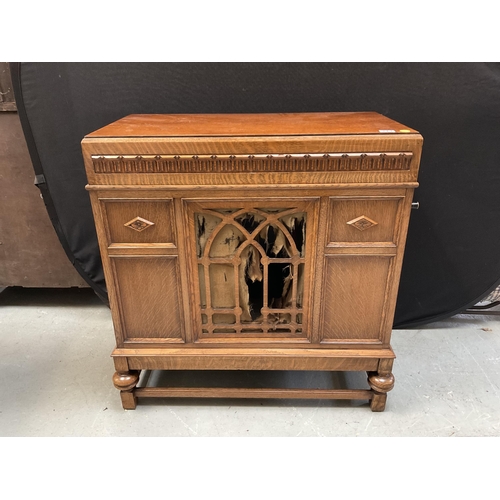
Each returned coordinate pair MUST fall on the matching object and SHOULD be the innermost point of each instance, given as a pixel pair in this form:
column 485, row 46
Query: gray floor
column 56, row 381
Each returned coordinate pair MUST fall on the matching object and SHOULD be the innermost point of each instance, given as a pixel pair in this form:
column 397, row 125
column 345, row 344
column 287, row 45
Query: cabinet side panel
column 149, row 297
column 354, row 297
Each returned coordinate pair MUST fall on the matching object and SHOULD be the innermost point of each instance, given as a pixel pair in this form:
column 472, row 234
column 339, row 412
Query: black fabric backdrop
column 452, row 256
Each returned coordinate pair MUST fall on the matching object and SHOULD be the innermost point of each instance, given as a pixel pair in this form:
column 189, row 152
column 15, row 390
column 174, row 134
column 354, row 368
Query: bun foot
column 380, row 385
column 126, row 382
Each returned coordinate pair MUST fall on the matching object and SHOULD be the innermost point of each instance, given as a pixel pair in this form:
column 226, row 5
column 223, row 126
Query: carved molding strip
column 151, row 164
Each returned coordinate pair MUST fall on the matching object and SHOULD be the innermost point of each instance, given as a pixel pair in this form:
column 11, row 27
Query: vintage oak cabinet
column 253, row 242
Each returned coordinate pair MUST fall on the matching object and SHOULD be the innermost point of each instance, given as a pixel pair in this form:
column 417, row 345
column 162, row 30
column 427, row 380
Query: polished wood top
column 262, row 124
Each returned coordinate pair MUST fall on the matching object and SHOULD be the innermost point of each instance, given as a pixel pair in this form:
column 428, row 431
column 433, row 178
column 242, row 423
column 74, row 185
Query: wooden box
column 253, row 242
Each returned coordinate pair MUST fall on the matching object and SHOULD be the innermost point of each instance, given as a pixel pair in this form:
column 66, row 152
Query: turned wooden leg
column 381, row 382
column 126, row 381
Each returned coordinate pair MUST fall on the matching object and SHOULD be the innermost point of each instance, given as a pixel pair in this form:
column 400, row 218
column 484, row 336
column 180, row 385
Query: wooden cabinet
column 253, row 242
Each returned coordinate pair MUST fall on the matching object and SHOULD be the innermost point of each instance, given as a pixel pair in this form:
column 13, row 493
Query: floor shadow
column 253, row 379
column 47, row 297
column 459, row 320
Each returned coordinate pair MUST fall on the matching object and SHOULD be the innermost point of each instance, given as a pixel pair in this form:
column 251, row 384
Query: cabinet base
column 377, row 364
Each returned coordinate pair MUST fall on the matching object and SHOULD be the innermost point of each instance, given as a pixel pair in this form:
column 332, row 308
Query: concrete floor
column 56, row 381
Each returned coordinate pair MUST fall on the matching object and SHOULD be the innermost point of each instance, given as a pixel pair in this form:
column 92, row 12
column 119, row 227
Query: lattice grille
column 251, row 264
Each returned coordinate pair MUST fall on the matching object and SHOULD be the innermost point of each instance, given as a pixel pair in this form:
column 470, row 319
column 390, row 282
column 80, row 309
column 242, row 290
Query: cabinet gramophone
column 253, row 242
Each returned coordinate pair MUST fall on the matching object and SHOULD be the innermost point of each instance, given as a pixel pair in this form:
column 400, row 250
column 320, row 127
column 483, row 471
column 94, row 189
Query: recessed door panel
column 353, row 298
column 150, row 304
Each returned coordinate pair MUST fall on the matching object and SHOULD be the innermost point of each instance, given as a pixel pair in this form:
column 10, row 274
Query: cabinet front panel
column 360, row 221
column 149, row 297
column 130, row 221
column 354, row 297
column 252, row 262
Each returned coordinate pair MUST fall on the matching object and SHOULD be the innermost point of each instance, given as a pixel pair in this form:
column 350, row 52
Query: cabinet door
column 252, row 264
column 149, row 299
column 354, row 297
column 360, row 265
column 139, row 244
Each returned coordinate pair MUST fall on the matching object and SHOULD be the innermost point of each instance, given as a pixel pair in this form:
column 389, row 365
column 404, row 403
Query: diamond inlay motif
column 362, row 223
column 139, row 224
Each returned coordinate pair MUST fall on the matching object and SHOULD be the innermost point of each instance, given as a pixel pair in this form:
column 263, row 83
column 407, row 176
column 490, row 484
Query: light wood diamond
column 362, row 223
column 139, row 224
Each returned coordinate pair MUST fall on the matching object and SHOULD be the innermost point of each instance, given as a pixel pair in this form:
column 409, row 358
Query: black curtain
column 452, row 256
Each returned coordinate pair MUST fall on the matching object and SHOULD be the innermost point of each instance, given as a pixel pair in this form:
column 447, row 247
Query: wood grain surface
column 149, row 296
column 354, row 296
column 119, row 212
column 265, row 124
column 378, row 210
